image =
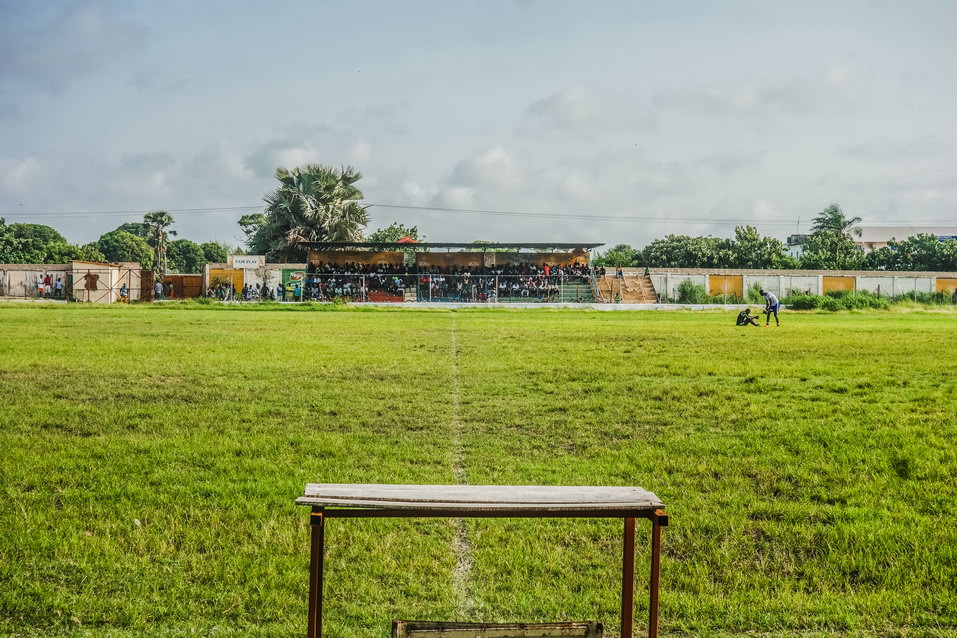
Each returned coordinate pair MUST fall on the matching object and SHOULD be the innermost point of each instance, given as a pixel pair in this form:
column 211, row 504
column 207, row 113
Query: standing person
column 47, row 285
column 297, row 293
column 124, row 293
column 953, row 297
column 58, row 288
column 157, row 290
column 772, row 305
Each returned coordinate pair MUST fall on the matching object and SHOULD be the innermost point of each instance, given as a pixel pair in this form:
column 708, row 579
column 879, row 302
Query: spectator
column 157, row 290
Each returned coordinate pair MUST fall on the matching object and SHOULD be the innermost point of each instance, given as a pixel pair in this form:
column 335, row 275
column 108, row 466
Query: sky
column 614, row 122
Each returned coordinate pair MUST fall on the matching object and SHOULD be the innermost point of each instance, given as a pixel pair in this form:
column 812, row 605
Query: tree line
column 829, row 246
column 314, row 202
column 146, row 242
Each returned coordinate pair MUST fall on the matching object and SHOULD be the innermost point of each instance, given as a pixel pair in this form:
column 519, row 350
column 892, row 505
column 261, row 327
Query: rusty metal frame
column 658, row 518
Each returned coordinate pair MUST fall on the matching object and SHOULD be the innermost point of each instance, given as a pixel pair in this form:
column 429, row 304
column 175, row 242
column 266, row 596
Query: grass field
column 149, row 459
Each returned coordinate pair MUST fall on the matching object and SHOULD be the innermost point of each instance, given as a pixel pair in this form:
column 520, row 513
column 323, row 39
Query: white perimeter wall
column 666, row 284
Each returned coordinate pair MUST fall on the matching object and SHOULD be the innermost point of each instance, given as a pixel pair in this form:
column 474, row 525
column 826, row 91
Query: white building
column 874, row 237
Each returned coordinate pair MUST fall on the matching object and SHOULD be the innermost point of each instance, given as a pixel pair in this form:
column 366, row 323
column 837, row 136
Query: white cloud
column 794, row 95
column 17, row 176
column 587, row 109
column 72, row 42
column 895, row 150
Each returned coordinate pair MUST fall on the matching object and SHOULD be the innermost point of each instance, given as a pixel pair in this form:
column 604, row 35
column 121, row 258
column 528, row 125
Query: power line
column 585, row 216
column 645, row 219
column 98, row 213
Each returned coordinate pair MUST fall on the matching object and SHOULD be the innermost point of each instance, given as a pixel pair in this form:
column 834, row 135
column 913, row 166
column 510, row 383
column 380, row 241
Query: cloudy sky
column 680, row 117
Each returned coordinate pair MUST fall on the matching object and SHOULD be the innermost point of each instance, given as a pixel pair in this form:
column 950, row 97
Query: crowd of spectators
column 328, row 281
column 442, row 283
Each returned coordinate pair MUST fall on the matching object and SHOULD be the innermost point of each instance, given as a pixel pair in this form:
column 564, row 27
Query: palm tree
column 832, row 221
column 158, row 237
column 312, row 203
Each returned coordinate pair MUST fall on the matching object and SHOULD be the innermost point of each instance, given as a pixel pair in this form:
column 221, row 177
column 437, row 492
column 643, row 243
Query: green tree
column 831, row 245
column 185, row 256
column 681, row 251
column 312, row 203
column 620, row 255
column 119, row 245
column 394, row 232
column 11, row 247
column 37, row 234
column 214, row 252
column 32, row 241
column 919, row 252
column 251, row 224
column 62, row 252
column 749, row 249
column 159, row 221
column 140, row 229
column 827, row 250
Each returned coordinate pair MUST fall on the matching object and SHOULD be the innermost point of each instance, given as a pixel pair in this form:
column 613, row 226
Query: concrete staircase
column 632, row 289
column 572, row 292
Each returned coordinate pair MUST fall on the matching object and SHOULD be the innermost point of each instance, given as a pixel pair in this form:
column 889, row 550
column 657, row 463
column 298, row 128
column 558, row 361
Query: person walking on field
column 772, row 306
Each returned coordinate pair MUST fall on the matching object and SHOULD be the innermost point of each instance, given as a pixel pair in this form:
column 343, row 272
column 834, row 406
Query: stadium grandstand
column 451, row 272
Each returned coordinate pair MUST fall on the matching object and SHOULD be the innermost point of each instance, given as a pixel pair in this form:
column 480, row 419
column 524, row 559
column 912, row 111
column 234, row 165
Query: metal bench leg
column 628, row 580
column 318, row 523
column 657, row 522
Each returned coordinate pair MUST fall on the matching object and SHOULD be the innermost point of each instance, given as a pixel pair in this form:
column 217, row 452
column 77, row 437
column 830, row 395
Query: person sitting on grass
column 745, row 318
column 772, row 305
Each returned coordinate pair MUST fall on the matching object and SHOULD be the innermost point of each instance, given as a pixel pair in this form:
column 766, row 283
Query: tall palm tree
column 158, row 237
column 312, row 203
column 832, row 221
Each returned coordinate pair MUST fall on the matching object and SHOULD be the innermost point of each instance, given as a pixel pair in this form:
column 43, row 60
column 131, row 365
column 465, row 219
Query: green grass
column 149, row 459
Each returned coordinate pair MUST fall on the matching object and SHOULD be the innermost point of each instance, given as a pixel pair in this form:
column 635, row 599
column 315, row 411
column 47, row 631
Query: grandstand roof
column 395, row 245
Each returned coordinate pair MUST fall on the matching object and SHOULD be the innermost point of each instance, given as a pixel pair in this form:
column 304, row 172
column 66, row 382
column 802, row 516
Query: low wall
column 784, row 282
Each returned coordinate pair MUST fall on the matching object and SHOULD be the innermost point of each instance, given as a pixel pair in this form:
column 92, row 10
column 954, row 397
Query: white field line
column 461, row 545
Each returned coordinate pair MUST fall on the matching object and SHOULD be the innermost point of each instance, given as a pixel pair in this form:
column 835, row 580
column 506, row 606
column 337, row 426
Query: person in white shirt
column 772, row 305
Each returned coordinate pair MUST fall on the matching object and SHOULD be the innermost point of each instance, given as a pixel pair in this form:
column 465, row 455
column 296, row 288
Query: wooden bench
column 425, row 629
column 329, row 500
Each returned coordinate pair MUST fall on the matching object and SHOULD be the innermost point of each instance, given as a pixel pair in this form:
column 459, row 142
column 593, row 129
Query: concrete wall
column 897, row 285
column 20, row 280
column 270, row 274
column 783, row 282
column 666, row 284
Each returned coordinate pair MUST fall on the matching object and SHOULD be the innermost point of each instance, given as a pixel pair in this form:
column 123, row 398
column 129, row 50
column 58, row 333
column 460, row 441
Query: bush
column 689, row 292
column 836, row 300
column 936, row 298
column 753, row 293
column 829, row 303
column 862, row 299
column 801, row 301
